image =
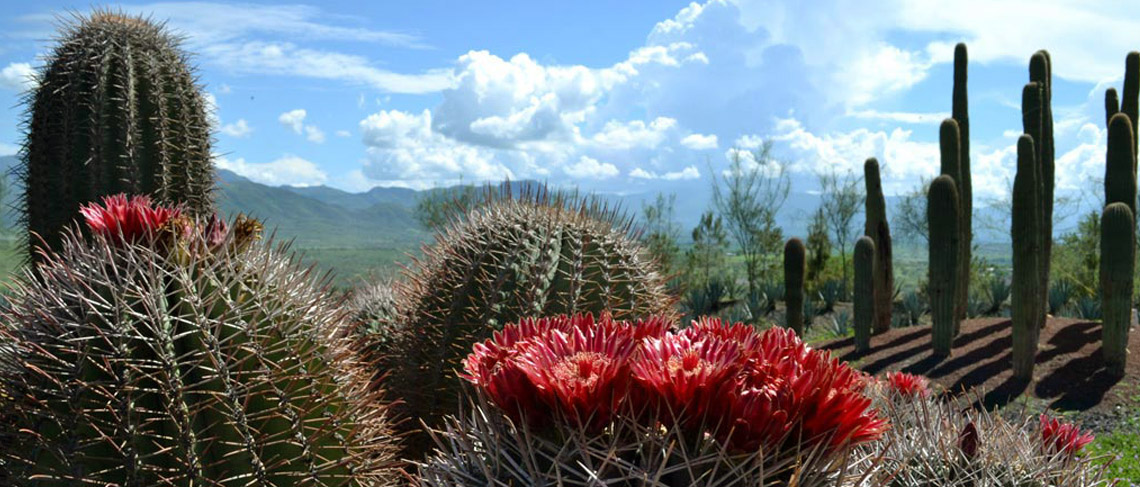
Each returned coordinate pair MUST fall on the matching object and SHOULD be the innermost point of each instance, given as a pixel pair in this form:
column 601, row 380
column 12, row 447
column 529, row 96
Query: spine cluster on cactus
column 795, row 257
column 878, row 228
column 1117, row 262
column 190, row 354
column 960, row 112
column 117, row 109
column 865, row 292
column 1026, row 297
column 942, row 209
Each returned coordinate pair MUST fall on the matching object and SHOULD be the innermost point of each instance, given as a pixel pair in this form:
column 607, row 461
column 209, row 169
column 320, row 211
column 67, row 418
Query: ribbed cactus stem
column 794, row 265
column 961, row 113
column 942, row 210
column 1025, row 231
column 1130, row 99
column 1119, row 172
column 865, row 292
column 1041, row 72
column 1111, row 105
column 1117, row 262
column 950, row 144
column 117, row 110
column 878, row 228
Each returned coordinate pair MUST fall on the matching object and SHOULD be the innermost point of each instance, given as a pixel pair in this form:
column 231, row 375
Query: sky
column 623, row 97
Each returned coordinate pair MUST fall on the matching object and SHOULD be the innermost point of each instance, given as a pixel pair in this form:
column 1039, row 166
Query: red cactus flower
column 681, row 376
column 122, row 219
column 215, row 232
column 908, row 385
column 968, row 440
column 1058, row 437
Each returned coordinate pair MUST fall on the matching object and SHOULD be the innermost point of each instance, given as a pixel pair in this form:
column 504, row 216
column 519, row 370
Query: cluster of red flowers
column 126, row 219
column 1057, row 437
column 908, row 385
column 748, row 389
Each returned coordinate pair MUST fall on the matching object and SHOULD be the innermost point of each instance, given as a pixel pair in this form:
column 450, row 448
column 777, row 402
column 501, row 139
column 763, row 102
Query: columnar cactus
column 1130, row 102
column 961, row 113
column 949, row 141
column 509, row 257
column 117, row 109
column 879, row 230
column 1041, row 72
column 1119, row 172
column 166, row 351
column 1117, row 261
column 942, row 210
column 866, row 291
column 1026, row 298
column 794, row 265
column 1111, row 105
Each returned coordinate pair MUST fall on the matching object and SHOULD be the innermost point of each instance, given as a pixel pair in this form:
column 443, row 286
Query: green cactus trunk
column 865, row 292
column 1041, row 72
column 117, row 110
column 1130, row 102
column 1111, row 105
column 961, row 114
column 1026, row 295
column 878, row 228
column 949, row 140
column 1120, row 173
column 942, row 213
column 794, row 265
column 1117, row 262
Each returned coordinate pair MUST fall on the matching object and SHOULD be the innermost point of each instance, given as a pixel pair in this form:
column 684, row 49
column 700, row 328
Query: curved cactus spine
column 866, row 292
column 1119, row 172
column 1041, row 72
column 949, row 140
column 1117, row 261
column 942, row 210
column 961, row 113
column 1026, row 295
column 118, row 109
column 878, row 228
column 794, row 265
column 1111, row 105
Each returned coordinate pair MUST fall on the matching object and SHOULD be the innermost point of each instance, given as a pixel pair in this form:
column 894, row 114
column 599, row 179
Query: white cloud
column 589, row 168
column 314, row 134
column 17, row 77
column 901, row 117
column 343, row 133
column 294, row 119
column 8, row 149
column 635, row 134
column 699, row 141
column 239, row 129
column 689, row 172
column 288, row 170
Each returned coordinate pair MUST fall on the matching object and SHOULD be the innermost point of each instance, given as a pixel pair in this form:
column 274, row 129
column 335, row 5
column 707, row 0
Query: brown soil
column 1069, row 374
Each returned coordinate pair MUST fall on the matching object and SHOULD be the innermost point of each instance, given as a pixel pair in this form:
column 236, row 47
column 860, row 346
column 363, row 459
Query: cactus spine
column 950, row 144
column 961, row 113
column 942, row 210
column 794, row 265
column 1041, row 72
column 1119, row 172
column 1111, row 105
column 1117, row 260
column 1026, row 298
column 117, row 110
column 866, row 292
column 879, row 230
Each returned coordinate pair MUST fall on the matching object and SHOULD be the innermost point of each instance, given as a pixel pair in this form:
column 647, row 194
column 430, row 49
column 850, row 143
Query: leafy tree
column 706, row 258
column 842, row 200
column 748, row 195
column 818, row 245
column 661, row 232
column 909, row 222
column 1076, row 257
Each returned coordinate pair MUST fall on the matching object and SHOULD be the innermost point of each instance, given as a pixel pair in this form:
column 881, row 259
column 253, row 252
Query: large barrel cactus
column 118, row 109
column 510, row 257
column 794, row 266
column 865, row 292
column 942, row 209
column 1117, row 261
column 1026, row 298
column 168, row 352
column 878, row 228
column 961, row 114
column 950, row 145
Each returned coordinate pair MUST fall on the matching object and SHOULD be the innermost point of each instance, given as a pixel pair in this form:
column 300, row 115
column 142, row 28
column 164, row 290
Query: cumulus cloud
column 634, row 134
column 343, row 133
column 288, row 170
column 314, row 134
column 8, row 149
column 589, row 168
column 689, row 172
column 295, row 121
column 17, row 77
column 700, row 141
column 239, row 129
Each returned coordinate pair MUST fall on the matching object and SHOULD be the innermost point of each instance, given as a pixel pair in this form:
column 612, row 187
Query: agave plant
column 977, row 305
column 773, row 293
column 914, row 307
column 1060, row 295
column 830, row 292
column 166, row 351
column 710, row 298
column 1088, row 308
column 999, row 291
column 839, row 325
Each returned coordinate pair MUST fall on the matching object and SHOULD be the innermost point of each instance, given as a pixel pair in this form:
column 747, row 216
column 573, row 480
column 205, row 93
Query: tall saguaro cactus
column 1026, row 301
column 942, row 213
column 960, row 112
column 879, row 230
column 866, row 292
column 794, row 265
column 950, row 143
column 1130, row 99
column 1117, row 262
column 1041, row 72
column 117, row 110
column 1119, row 172
column 1111, row 105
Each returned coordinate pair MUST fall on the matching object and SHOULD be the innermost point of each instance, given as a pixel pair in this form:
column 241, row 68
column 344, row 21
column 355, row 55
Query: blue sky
column 631, row 96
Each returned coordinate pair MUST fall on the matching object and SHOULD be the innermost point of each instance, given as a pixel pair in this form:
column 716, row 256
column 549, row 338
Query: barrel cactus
column 1117, row 261
column 509, row 257
column 865, row 292
column 942, row 215
column 168, row 351
column 117, row 109
column 794, row 266
column 1026, row 300
column 960, row 112
column 878, row 228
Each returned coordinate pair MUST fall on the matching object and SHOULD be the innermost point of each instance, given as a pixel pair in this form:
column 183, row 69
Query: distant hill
column 357, row 201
